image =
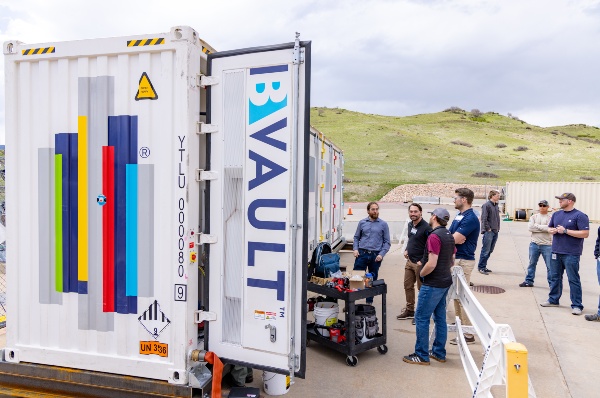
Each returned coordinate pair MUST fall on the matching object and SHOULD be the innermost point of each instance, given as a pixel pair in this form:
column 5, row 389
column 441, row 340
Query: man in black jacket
column 437, row 279
column 490, row 226
column 415, row 255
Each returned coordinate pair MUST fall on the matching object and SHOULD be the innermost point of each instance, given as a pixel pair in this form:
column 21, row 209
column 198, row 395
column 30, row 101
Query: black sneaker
column 526, row 284
column 432, row 355
column 414, row 359
column 483, row 271
column 593, row 318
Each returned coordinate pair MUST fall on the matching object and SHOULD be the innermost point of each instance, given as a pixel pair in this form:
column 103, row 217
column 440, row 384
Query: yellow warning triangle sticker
column 146, row 90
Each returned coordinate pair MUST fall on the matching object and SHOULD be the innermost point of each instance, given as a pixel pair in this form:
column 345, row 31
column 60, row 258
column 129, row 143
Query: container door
column 259, row 107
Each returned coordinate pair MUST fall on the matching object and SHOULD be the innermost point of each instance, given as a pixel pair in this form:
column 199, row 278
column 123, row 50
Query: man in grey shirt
column 490, row 226
column 371, row 243
column 541, row 243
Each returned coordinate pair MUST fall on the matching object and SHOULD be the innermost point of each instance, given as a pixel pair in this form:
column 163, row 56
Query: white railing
column 493, row 337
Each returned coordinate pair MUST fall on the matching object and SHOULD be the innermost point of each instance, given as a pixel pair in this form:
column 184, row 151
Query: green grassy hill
column 382, row 152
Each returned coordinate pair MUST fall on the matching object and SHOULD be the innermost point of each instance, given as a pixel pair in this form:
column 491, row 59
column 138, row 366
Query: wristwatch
column 565, row 231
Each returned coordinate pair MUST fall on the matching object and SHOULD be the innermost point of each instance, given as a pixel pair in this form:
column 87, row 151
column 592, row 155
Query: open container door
column 258, row 110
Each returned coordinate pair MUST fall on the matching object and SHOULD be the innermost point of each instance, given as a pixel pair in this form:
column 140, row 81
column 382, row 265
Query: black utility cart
column 350, row 347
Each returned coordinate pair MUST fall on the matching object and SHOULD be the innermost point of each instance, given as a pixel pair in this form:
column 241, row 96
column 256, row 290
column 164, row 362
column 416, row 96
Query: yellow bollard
column 517, row 371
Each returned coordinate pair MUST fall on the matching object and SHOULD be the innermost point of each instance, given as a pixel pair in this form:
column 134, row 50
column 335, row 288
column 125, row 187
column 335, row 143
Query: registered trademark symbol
column 144, row 152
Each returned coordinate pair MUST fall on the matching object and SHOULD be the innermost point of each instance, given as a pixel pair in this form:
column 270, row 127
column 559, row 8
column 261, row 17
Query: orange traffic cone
column 350, row 210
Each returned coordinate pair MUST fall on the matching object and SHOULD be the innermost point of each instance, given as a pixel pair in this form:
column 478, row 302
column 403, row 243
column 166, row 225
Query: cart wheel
column 382, row 349
column 351, row 360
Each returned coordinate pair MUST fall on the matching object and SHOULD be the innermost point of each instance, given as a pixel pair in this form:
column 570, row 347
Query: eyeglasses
column 543, row 205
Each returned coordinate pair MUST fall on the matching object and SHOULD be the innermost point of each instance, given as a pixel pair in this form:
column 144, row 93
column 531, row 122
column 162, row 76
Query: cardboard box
column 356, row 283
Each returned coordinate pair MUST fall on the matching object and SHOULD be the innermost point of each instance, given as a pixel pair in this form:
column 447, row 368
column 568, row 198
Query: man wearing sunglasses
column 569, row 227
column 541, row 243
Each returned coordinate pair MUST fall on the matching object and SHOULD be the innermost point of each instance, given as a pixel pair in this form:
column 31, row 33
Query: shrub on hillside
column 521, row 148
column 476, row 113
column 484, row 174
column 321, row 112
column 462, row 143
column 500, row 145
column 454, row 109
column 587, row 178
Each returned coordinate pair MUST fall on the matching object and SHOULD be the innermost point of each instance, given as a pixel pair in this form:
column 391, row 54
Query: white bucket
column 326, row 314
column 275, row 384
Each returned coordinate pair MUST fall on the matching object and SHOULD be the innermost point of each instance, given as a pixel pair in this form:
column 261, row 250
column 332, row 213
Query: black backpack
column 322, row 248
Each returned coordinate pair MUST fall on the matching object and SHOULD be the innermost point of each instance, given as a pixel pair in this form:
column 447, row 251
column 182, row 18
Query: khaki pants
column 467, row 266
column 411, row 275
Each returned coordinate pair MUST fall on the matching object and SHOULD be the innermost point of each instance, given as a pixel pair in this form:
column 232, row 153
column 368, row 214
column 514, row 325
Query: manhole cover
column 487, row 289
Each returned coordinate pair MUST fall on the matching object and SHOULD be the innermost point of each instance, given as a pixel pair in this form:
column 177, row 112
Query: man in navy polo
column 465, row 229
column 569, row 228
column 371, row 243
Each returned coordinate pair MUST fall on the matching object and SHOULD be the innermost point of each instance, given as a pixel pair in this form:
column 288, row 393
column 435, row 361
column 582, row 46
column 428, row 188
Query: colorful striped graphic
column 82, row 205
column 108, row 225
column 58, row 226
column 131, row 238
column 103, row 253
column 66, row 146
column 122, row 134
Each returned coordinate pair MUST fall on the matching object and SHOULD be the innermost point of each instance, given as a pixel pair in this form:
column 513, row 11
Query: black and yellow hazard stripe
column 146, row 42
column 35, row 51
column 205, row 50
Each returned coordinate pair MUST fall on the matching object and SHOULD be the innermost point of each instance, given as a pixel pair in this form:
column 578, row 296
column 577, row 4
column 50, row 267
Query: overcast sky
column 537, row 59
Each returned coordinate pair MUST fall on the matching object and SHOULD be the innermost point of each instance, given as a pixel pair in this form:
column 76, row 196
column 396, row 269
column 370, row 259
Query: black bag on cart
column 322, row 248
column 366, row 324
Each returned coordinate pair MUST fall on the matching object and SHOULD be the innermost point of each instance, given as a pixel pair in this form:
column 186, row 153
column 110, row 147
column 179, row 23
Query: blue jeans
column 598, row 272
column 558, row 266
column 366, row 261
column 487, row 247
column 534, row 254
column 432, row 300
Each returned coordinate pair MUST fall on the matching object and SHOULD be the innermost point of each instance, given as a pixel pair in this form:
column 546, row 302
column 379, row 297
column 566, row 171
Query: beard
column 430, row 224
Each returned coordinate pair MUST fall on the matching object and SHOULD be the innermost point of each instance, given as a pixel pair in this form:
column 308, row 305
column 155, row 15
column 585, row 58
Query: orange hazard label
column 154, row 348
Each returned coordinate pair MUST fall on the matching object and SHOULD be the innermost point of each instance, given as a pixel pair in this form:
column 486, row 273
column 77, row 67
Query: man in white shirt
column 541, row 243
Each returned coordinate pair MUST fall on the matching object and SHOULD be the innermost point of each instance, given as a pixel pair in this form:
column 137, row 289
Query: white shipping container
column 127, row 158
column 526, row 195
column 326, row 173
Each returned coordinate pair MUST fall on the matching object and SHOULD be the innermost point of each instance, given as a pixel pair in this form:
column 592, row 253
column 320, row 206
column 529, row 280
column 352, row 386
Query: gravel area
column 443, row 190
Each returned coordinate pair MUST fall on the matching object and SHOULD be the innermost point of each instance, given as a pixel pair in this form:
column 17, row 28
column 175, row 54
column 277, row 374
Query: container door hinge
column 205, row 175
column 203, row 80
column 204, row 128
column 201, row 316
column 205, row 239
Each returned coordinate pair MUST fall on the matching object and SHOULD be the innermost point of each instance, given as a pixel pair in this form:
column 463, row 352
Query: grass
column 382, row 152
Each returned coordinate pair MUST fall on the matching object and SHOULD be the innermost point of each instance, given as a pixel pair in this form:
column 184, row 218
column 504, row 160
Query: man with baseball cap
column 541, row 243
column 569, row 227
column 436, row 280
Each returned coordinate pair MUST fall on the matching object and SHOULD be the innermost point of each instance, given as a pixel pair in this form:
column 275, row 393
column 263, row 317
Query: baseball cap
column 543, row 202
column 441, row 213
column 566, row 195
